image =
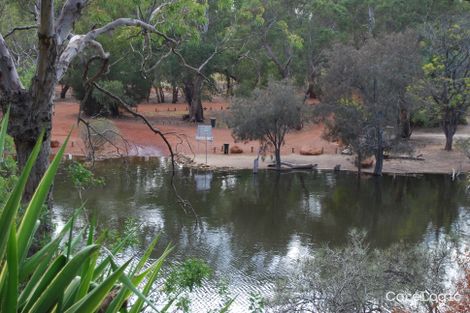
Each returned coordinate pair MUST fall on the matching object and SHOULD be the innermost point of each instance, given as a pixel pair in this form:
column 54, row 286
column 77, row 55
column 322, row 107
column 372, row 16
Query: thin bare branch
column 185, row 204
column 27, row 27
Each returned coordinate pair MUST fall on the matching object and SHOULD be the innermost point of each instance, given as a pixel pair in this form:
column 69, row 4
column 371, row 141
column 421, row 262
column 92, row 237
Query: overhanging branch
column 184, row 203
column 79, row 42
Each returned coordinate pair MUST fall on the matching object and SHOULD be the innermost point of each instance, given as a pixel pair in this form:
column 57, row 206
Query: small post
column 293, row 150
column 255, row 165
column 252, row 149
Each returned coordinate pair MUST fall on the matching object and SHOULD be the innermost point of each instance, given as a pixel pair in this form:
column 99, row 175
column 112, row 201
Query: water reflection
column 253, row 227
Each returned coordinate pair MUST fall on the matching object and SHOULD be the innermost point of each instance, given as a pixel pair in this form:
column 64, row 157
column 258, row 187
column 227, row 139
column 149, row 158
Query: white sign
column 204, row 132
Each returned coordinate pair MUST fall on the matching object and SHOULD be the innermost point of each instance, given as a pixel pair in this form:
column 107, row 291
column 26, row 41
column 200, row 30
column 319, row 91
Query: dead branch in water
column 91, row 83
column 184, row 203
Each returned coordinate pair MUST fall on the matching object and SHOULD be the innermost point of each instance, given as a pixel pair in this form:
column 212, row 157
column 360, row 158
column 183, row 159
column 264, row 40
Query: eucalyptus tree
column 198, row 56
column 445, row 88
column 365, row 89
column 268, row 115
column 271, row 27
column 58, row 44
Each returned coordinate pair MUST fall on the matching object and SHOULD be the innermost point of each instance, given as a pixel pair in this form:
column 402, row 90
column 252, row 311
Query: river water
column 253, row 228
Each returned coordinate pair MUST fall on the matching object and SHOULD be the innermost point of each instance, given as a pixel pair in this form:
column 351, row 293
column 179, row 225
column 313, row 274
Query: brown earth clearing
column 140, row 141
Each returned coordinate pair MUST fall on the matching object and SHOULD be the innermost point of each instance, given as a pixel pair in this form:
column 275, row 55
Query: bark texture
column 193, row 94
column 449, row 126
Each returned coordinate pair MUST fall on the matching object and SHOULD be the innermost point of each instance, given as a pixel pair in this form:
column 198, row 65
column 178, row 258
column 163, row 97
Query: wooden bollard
column 293, row 150
column 222, row 148
column 252, row 149
column 221, row 108
column 72, row 143
column 174, row 109
column 215, row 150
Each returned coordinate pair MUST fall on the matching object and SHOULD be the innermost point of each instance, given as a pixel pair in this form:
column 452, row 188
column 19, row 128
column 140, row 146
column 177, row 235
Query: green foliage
column 8, row 167
column 187, row 275
column 8, row 171
column 366, row 91
column 443, row 91
column 26, row 75
column 82, row 177
column 257, row 303
column 108, row 105
column 128, row 237
column 268, row 115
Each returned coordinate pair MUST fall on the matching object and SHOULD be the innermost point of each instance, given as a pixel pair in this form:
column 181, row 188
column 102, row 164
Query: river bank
column 432, row 164
column 139, row 141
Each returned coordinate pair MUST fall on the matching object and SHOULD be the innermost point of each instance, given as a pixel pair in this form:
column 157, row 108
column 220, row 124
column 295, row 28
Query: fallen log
column 405, row 157
column 291, row 166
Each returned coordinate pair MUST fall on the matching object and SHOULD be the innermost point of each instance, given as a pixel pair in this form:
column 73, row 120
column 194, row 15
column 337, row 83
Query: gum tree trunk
column 193, row 92
column 63, row 91
column 32, row 111
column 175, row 94
column 449, row 125
column 359, row 164
column 405, row 126
column 278, row 157
column 379, row 154
column 28, row 118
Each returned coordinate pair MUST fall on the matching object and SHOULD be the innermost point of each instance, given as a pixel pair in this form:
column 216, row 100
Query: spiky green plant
column 55, row 278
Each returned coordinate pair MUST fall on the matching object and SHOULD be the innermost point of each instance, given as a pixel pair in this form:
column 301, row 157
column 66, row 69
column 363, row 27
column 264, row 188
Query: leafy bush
column 187, row 275
column 108, row 105
column 83, row 178
column 356, row 278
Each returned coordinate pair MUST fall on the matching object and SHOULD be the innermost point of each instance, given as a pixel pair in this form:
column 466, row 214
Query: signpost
column 204, row 133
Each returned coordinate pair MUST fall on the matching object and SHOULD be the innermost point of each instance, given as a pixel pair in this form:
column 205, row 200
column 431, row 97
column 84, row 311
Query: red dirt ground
column 168, row 118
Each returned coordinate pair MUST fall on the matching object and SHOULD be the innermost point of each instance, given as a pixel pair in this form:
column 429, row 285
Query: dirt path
column 167, row 117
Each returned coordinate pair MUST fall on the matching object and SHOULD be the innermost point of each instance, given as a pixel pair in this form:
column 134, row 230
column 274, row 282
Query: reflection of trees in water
column 392, row 209
column 261, row 215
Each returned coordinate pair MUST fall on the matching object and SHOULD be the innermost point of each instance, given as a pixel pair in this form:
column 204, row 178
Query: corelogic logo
column 420, row 296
